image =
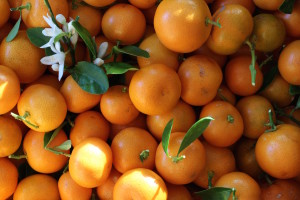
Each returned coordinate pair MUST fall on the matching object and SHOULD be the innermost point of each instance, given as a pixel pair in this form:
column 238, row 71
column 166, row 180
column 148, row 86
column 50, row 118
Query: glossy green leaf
column 294, row 89
column 90, row 77
column 133, row 51
column 14, row 31
column 48, row 137
column 64, row 146
column 36, row 36
column 166, row 136
column 287, row 6
column 118, row 67
column 215, row 193
column 269, row 77
column 87, row 38
column 194, row 132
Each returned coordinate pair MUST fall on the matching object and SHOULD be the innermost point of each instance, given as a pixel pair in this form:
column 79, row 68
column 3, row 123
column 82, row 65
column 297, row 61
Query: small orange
column 152, row 84
column 70, row 190
column 116, row 105
column 216, row 4
column 183, row 116
column 90, row 162
column 9, row 89
column 11, row 136
column 246, row 187
column 8, row 178
column 101, row 3
column 274, row 5
column 282, row 189
column 142, row 4
column 47, row 79
column 5, row 12
column 187, row 169
column 140, row 183
column 44, row 106
column 105, row 190
column 225, row 94
column 37, row 186
column 77, row 99
column 133, row 148
column 178, row 192
column 89, row 124
column 40, row 159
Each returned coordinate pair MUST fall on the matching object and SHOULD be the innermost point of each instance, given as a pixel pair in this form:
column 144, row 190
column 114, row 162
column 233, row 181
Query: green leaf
column 60, row 36
column 14, row 31
column 294, row 89
column 90, row 77
column 144, row 155
column 166, row 136
column 194, row 132
column 118, row 67
column 64, row 146
column 48, row 137
column 269, row 77
column 287, row 6
column 133, row 51
column 87, row 38
column 36, row 36
column 217, row 193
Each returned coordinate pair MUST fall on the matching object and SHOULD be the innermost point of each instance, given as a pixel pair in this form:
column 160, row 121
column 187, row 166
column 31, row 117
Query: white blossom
column 101, row 52
column 50, row 32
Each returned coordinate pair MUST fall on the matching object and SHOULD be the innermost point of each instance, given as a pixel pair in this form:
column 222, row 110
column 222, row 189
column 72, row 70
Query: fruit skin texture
column 187, row 169
column 40, row 159
column 278, row 152
column 9, row 89
column 200, row 78
column 140, row 183
column 23, row 57
column 180, row 24
column 281, row 189
column 288, row 63
column 155, row 89
column 46, row 107
column 246, row 187
column 37, row 186
column 90, row 162
column 8, row 178
column 5, row 12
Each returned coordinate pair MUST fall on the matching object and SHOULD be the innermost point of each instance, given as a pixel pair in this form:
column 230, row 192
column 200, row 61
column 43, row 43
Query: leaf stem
column 210, row 175
column 19, row 8
column 177, row 158
column 209, row 21
column 144, row 155
column 268, row 59
column 253, row 61
column 23, row 118
column 233, row 194
column 17, row 157
column 271, row 123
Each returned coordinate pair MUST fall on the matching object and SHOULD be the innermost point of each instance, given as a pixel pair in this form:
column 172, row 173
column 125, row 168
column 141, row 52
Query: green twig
column 253, row 61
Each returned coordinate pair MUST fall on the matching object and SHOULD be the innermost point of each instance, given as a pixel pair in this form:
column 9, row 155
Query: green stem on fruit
column 271, row 123
column 210, row 175
column 23, row 118
column 253, row 61
column 268, row 59
column 177, row 158
column 233, row 194
column 209, row 21
column 144, row 155
column 19, row 8
column 230, row 119
column 17, row 157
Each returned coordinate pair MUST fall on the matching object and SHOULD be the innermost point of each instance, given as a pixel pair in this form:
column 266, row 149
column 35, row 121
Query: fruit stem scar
column 176, row 159
column 144, row 155
column 230, row 119
column 253, row 60
column 23, row 118
column 209, row 21
column 19, row 8
column 271, row 123
column 124, row 89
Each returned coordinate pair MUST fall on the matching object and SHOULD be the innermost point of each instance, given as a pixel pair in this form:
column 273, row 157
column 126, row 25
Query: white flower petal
column 102, row 49
column 71, row 27
column 98, row 61
column 74, row 39
column 53, row 59
column 57, row 46
column 60, row 71
column 49, row 21
column 55, row 67
column 61, row 19
column 48, row 32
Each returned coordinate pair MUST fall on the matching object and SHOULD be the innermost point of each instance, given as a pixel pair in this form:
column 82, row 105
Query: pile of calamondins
column 144, row 100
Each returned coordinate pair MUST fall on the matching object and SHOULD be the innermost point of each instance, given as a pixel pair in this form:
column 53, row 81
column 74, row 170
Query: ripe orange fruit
column 44, row 106
column 8, row 178
column 76, row 98
column 11, row 136
column 105, row 190
column 274, row 5
column 90, row 162
column 153, row 84
column 9, row 89
column 238, row 76
column 225, row 94
column 281, row 189
column 24, row 61
column 140, row 183
column 5, row 12
column 246, row 187
column 116, row 105
column 227, row 126
column 216, row 4
column 187, row 169
column 89, row 124
column 70, row 190
column 200, row 78
column 219, row 161
column 47, row 79
column 34, row 16
column 178, row 192
column 254, row 110
column 40, row 159
column 37, row 186
column 133, row 148
column 183, row 116
column 123, row 22
column 101, row 3
column 278, row 152
column 181, row 25
column 142, row 4
column 159, row 54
